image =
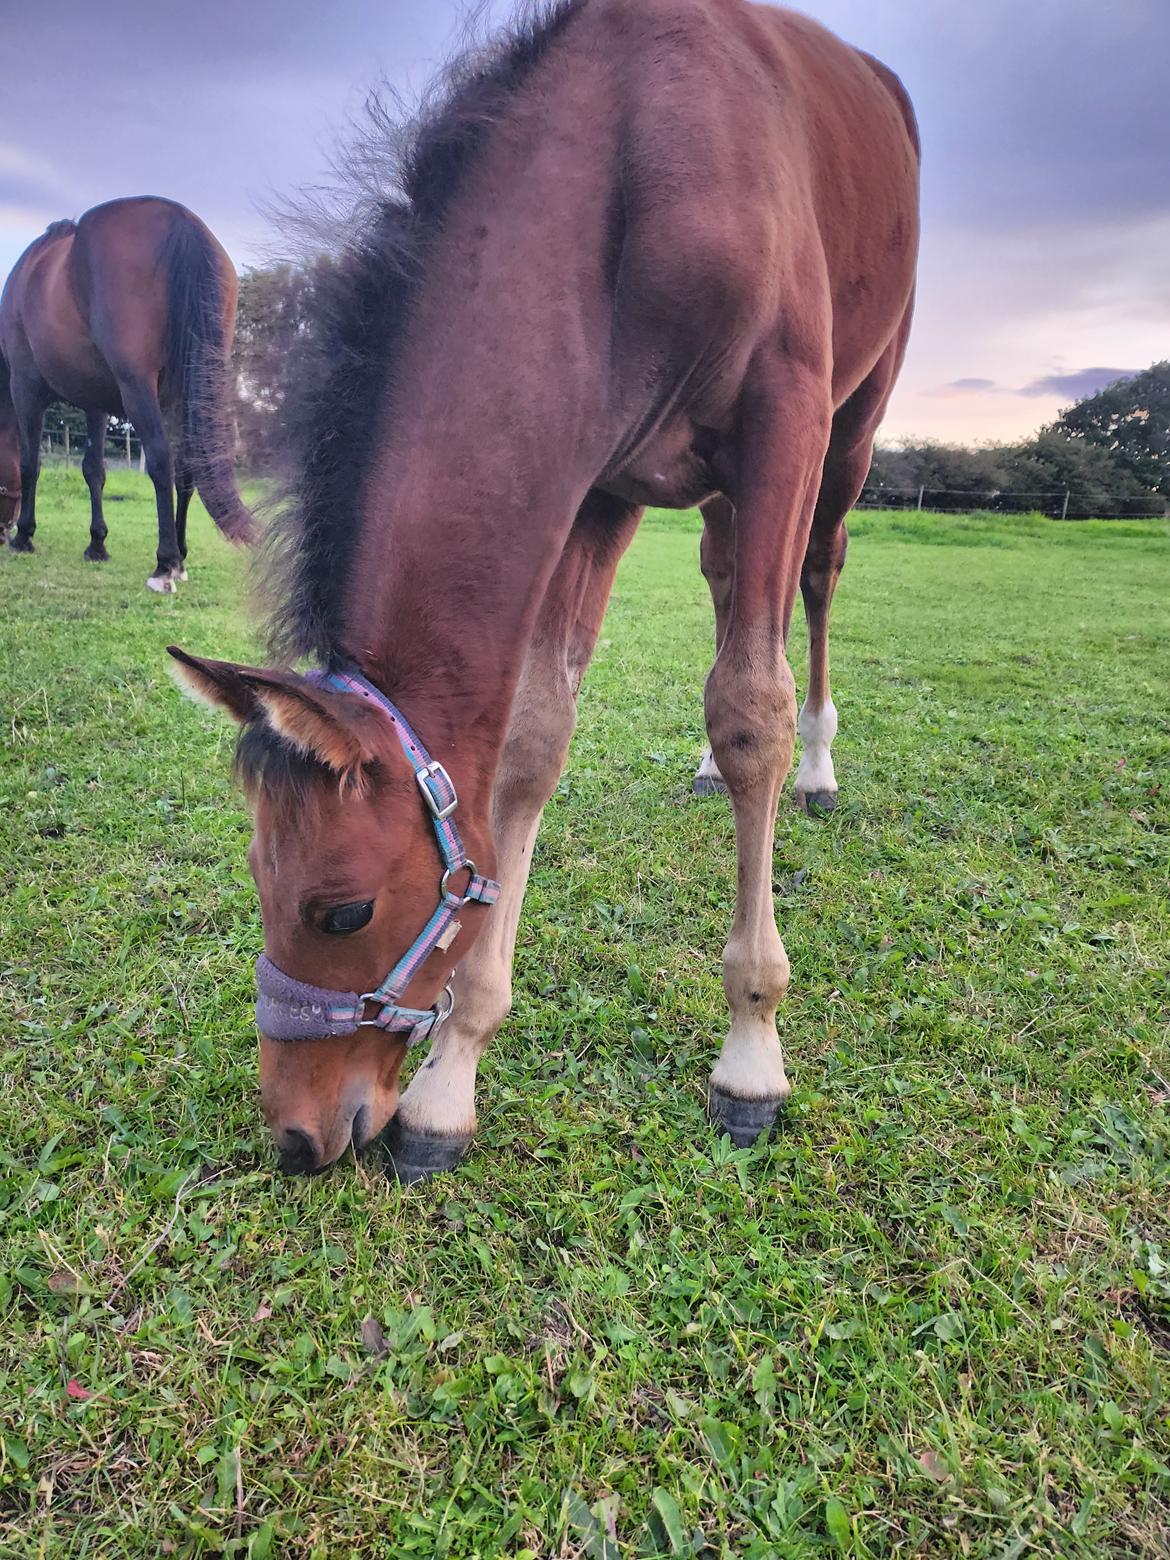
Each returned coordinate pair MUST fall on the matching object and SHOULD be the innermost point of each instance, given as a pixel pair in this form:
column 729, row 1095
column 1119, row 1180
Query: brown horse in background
column 128, row 312
column 646, row 252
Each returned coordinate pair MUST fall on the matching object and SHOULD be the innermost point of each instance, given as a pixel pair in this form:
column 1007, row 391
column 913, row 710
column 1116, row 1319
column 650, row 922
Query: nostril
column 300, row 1153
column 360, row 1129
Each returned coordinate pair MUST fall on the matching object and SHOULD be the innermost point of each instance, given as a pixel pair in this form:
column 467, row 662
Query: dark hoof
column 709, row 785
column 20, row 543
column 818, row 804
column 96, row 554
column 419, row 1155
column 744, row 1121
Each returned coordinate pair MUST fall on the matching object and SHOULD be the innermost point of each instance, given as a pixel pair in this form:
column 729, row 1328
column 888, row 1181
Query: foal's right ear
column 221, row 684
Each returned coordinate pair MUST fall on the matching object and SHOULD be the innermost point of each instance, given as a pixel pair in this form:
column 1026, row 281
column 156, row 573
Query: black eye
column 348, row 918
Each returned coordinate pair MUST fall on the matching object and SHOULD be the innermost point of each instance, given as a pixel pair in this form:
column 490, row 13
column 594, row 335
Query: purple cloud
column 1085, row 381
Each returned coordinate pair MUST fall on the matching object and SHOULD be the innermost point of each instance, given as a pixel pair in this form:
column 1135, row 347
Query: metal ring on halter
column 463, row 866
column 438, row 1015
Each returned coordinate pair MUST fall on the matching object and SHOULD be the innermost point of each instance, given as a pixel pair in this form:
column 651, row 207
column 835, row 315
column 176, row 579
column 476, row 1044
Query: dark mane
column 399, row 177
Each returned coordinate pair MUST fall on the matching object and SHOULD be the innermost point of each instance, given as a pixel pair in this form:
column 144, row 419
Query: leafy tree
column 1131, row 420
column 275, row 311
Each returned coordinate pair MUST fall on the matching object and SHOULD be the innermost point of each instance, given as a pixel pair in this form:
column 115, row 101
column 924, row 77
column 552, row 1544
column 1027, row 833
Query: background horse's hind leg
column 93, row 469
column 436, row 1114
column 717, row 560
column 184, row 487
column 751, row 717
column 140, row 398
column 30, row 398
column 847, row 465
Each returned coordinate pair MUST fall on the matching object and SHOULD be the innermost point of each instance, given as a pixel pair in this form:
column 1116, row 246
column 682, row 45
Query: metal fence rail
column 124, row 449
column 1066, row 504
column 60, row 447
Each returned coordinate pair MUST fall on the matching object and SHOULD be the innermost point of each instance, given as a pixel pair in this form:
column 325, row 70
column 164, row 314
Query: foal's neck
column 489, row 441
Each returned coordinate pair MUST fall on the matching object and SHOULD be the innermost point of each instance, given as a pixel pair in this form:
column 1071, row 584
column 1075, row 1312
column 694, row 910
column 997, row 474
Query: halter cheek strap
column 289, row 1009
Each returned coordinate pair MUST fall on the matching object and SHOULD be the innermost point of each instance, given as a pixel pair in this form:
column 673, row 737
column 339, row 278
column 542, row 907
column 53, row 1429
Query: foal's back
column 766, row 162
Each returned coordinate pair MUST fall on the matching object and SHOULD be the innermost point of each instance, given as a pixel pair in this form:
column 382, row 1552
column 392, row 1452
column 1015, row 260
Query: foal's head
column 347, row 868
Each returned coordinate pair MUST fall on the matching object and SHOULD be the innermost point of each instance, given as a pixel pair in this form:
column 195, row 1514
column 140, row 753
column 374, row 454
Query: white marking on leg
column 755, row 978
column 707, row 776
column 440, row 1099
column 817, row 729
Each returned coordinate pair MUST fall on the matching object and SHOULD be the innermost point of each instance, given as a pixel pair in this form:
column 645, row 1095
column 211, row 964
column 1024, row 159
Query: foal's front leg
column 751, row 721
column 436, row 1116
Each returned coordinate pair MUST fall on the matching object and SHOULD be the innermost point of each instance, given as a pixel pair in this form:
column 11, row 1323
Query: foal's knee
column 751, row 716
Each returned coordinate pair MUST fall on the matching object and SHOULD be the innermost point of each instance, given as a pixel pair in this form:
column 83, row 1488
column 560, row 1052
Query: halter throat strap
column 288, row 1009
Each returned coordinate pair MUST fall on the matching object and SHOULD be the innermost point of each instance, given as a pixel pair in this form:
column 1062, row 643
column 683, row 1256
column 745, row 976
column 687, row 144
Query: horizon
column 1046, row 185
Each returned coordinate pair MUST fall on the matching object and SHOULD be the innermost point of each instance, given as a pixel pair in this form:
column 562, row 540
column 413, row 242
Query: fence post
column 67, row 444
column 129, row 464
column 921, row 495
column 1064, row 507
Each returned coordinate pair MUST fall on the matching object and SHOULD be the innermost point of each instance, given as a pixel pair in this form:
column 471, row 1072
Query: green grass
column 932, row 1318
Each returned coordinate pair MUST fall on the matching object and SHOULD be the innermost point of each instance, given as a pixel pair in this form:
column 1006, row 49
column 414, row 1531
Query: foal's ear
column 221, row 684
column 337, row 729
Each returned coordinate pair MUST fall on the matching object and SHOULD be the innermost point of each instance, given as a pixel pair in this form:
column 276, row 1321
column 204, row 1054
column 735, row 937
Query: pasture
column 932, row 1317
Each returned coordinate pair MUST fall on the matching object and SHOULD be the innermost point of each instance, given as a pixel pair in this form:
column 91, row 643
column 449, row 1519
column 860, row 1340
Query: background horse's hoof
column 20, row 543
column 744, row 1121
column 94, row 554
column 164, row 584
column 817, row 803
column 181, row 574
column 419, row 1155
column 709, row 785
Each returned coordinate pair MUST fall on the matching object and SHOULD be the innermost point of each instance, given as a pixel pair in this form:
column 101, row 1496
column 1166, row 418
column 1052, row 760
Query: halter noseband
column 289, row 1009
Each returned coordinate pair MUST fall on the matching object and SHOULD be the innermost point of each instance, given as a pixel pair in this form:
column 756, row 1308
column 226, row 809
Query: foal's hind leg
column 717, row 560
column 846, row 468
column 93, row 469
column 436, row 1114
column 751, row 716
column 140, row 398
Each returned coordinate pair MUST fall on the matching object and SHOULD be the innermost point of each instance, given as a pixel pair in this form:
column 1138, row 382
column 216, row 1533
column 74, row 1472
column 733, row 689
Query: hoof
column 709, row 785
column 181, row 574
column 818, row 804
column 419, row 1155
column 744, row 1121
column 20, row 543
column 94, row 554
column 164, row 584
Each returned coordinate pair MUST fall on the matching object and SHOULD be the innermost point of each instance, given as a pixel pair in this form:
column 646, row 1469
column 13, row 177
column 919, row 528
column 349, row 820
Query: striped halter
column 289, row 1009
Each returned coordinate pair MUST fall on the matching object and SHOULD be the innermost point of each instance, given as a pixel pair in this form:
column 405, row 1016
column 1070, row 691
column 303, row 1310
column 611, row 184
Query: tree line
column 1107, row 454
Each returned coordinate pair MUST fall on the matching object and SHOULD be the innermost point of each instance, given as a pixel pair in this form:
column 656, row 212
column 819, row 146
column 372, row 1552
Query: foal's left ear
column 221, row 684
column 339, row 730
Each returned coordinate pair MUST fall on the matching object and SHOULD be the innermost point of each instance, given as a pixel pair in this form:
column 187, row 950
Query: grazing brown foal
column 646, row 252
column 128, row 312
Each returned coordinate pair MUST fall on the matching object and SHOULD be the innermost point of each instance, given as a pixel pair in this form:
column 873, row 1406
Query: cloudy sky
column 1046, row 256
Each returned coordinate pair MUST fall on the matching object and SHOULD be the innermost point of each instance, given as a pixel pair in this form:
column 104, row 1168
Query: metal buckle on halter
column 438, row 1013
column 433, row 774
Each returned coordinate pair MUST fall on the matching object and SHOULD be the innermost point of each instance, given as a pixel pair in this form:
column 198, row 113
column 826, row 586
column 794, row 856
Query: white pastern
column 817, row 729
column 707, row 775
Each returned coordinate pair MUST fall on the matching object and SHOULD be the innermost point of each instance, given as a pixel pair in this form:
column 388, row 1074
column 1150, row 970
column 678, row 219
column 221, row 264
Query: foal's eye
column 348, row 918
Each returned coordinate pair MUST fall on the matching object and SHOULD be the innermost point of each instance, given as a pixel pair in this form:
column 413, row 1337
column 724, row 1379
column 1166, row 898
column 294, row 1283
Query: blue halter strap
column 289, row 1009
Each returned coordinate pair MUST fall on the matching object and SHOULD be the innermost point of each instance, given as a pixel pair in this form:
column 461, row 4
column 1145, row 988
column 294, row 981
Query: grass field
column 931, row 1318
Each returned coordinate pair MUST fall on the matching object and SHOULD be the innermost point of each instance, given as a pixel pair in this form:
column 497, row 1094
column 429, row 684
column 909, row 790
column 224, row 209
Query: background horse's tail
column 196, row 370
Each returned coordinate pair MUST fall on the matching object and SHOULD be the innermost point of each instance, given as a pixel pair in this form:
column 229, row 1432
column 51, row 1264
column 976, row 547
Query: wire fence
column 63, row 447
column 124, row 448
column 1064, row 504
